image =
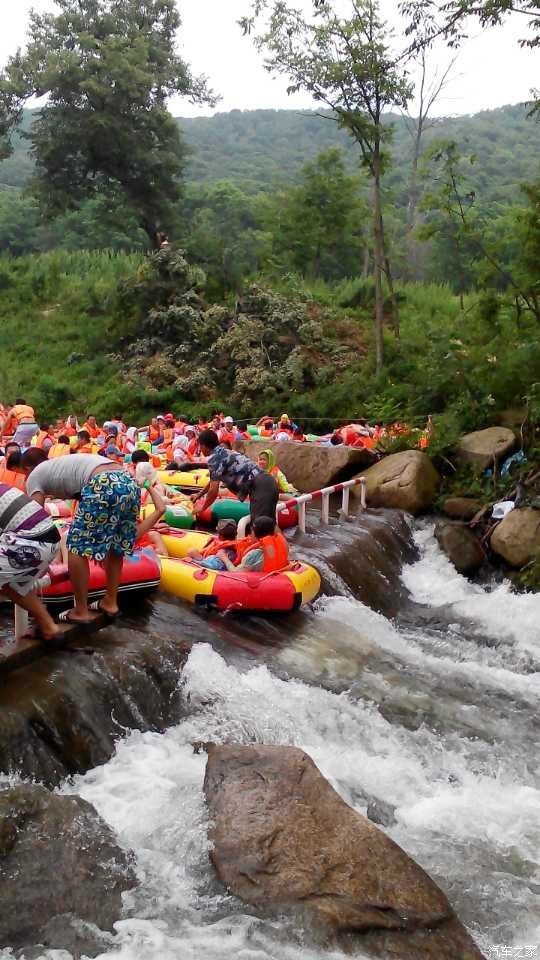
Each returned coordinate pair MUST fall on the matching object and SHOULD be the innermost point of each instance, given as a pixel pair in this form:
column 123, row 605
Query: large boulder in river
column 284, row 839
column 309, row 466
column 60, row 865
column 460, row 546
column 461, row 508
column 407, row 481
column 485, row 447
column 517, row 538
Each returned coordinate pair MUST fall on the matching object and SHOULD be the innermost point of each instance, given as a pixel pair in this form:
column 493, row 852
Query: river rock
column 284, row 839
column 482, row 448
column 461, row 508
column 63, row 714
column 460, row 546
column 407, row 481
column 309, row 466
column 60, row 864
column 517, row 538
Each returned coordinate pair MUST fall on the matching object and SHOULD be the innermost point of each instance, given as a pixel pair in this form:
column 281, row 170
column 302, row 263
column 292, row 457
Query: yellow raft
column 279, row 592
column 185, row 478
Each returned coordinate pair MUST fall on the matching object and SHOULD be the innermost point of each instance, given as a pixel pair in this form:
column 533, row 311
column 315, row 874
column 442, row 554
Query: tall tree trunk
column 367, row 258
column 390, row 281
column 378, row 259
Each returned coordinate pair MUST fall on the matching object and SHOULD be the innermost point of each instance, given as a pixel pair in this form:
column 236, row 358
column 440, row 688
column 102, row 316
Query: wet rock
column 407, row 481
column 308, row 466
column 60, row 865
column 284, row 839
column 461, row 508
column 484, row 447
column 63, row 714
column 517, row 538
column 381, row 812
column 460, row 546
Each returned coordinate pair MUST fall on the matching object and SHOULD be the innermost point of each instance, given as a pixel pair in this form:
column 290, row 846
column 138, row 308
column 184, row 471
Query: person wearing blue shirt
column 239, row 474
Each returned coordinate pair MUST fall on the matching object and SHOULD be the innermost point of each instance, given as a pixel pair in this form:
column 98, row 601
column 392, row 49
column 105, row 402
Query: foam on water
column 508, row 616
column 467, row 808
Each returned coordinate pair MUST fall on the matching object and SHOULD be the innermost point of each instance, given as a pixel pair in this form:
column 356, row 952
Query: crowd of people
column 106, row 470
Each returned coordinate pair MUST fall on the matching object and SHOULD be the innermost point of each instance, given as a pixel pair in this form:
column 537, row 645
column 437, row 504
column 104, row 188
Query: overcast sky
column 492, row 69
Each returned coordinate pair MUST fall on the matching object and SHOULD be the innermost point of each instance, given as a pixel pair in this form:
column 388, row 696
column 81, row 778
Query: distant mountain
column 259, row 148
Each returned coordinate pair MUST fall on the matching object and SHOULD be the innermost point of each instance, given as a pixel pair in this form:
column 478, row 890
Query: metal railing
column 324, row 495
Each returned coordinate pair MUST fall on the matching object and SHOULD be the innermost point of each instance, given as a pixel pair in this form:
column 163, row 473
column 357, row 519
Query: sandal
column 97, row 608
column 64, row 617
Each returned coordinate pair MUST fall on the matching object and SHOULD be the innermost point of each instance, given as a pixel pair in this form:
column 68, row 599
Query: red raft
column 140, row 573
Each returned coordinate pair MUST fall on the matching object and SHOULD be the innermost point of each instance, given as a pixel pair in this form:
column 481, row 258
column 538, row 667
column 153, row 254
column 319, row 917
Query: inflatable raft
column 140, row 572
column 185, row 479
column 229, row 508
column 280, row 592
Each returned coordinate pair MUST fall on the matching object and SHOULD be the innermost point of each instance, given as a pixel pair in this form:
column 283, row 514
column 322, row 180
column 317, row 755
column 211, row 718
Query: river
column 425, row 708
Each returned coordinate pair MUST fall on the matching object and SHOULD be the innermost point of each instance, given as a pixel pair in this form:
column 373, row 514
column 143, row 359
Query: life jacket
column 226, row 436
column 58, row 450
column 276, row 552
column 241, row 546
column 40, row 438
column 86, row 448
column 263, row 432
column 69, row 432
column 93, row 431
column 153, row 434
column 193, row 447
column 13, row 478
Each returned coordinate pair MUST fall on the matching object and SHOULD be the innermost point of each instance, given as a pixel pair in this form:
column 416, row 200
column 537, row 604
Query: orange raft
column 280, row 592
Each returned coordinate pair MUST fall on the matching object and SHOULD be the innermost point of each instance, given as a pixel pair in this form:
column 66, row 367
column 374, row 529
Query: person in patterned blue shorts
column 105, row 524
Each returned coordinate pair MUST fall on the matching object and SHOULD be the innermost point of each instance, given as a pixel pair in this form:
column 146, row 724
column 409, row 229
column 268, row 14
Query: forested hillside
column 259, row 148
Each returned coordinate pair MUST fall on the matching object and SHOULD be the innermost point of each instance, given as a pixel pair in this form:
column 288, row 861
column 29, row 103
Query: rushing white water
column 437, row 719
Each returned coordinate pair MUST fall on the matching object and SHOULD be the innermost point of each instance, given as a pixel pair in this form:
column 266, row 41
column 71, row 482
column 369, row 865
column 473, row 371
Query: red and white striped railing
column 324, row 496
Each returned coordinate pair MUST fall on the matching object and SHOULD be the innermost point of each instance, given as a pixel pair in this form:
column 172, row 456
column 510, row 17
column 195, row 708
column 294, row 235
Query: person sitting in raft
column 266, row 429
column 132, row 438
column 44, row 439
column 239, row 474
column 61, row 448
column 10, row 447
column 84, row 444
column 298, row 435
column 29, row 543
column 266, row 551
column 104, row 528
column 267, row 462
column 241, row 431
column 91, row 427
column 11, row 473
column 72, row 426
column 224, row 541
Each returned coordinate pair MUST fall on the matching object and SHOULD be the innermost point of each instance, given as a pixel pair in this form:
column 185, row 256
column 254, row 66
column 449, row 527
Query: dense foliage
column 108, row 68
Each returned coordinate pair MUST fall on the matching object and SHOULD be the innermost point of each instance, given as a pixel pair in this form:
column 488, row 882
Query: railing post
column 345, row 501
column 325, row 513
column 302, row 517
column 363, row 502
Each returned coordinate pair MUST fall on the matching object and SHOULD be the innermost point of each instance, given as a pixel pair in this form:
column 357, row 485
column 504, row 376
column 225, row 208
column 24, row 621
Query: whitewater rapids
column 434, row 713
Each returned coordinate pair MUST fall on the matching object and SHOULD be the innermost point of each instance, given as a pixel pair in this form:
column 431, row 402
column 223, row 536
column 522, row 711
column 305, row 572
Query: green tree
column 319, row 225
column 107, row 68
column 223, row 234
column 346, row 64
